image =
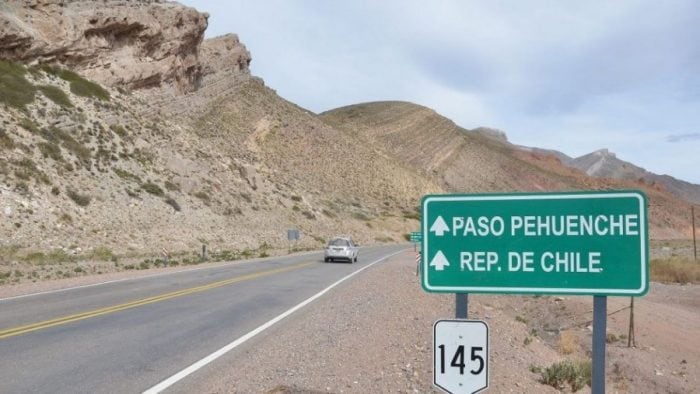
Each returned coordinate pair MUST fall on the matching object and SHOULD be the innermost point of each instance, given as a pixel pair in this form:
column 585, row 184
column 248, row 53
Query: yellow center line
column 11, row 332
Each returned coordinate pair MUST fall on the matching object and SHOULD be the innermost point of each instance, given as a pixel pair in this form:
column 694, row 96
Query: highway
column 131, row 335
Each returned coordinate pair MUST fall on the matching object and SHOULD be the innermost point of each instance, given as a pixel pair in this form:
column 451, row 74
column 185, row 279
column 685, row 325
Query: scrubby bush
column 15, row 90
column 80, row 199
column 103, row 253
column 30, row 125
column 50, row 150
column 152, row 188
column 6, row 142
column 202, row 196
column 172, row 186
column 126, row 175
column 81, row 86
column 171, row 201
column 80, row 151
column 411, row 215
column 329, row 213
column 118, row 129
column 576, row 373
column 675, row 270
column 56, row 95
column 361, row 216
column 27, row 170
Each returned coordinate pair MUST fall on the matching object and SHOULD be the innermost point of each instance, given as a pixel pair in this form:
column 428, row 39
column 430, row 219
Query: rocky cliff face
column 131, row 44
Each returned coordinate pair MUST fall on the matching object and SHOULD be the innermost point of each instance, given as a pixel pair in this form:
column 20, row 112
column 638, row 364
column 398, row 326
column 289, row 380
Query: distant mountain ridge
column 605, row 164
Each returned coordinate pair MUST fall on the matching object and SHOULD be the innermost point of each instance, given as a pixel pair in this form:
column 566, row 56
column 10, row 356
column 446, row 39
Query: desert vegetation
column 568, row 374
column 681, row 270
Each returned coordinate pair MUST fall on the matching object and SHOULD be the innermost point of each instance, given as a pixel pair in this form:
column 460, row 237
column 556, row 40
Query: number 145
column 458, row 359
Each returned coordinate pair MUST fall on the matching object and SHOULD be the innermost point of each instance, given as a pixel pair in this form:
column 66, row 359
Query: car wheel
column 356, row 259
column 325, row 259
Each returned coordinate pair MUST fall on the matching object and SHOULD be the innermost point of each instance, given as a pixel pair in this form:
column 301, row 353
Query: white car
column 341, row 248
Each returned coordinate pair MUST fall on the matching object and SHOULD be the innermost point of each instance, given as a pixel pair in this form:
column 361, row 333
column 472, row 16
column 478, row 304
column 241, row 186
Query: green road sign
column 416, row 236
column 590, row 243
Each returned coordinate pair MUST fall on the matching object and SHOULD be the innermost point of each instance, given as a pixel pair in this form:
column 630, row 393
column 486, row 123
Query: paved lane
column 128, row 336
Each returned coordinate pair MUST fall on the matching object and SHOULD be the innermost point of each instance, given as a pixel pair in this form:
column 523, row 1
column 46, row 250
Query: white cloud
column 683, row 137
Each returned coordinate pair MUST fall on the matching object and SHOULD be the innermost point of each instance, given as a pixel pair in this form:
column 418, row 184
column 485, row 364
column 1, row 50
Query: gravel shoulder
column 372, row 334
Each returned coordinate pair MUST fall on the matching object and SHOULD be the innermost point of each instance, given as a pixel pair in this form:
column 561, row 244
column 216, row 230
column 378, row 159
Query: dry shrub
column 568, row 343
column 675, row 270
column 576, row 374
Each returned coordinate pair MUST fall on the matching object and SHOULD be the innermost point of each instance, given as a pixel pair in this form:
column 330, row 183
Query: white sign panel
column 461, row 355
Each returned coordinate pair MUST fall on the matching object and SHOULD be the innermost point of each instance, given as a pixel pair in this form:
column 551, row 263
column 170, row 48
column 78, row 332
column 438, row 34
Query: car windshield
column 339, row 242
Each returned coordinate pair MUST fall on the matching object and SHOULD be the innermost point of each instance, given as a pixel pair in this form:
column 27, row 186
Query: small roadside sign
column 416, row 236
column 293, row 234
column 461, row 355
column 587, row 243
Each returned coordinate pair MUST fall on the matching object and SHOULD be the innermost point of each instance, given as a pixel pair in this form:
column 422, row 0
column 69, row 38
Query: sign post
column 578, row 243
column 600, row 317
column 292, row 236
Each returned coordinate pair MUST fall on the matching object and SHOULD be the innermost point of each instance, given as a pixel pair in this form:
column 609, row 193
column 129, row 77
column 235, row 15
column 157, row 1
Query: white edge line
column 208, row 359
column 154, row 275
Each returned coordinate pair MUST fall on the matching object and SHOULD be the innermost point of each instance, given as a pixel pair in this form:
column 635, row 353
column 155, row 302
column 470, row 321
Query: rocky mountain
column 124, row 132
column 605, row 164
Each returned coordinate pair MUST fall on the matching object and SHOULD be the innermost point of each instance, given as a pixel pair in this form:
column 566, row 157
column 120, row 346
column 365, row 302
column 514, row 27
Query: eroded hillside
column 475, row 161
column 88, row 174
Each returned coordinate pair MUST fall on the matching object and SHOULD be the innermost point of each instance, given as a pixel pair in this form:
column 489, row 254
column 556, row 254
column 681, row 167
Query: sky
column 575, row 76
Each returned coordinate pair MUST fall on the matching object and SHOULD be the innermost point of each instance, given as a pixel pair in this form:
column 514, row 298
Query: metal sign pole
column 461, row 305
column 600, row 316
column 630, row 333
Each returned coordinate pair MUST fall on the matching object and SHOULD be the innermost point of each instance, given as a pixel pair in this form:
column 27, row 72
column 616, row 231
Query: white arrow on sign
column 439, row 261
column 439, row 227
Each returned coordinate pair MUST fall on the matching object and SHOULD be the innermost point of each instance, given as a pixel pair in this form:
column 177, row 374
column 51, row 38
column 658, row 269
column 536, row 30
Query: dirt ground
column 665, row 356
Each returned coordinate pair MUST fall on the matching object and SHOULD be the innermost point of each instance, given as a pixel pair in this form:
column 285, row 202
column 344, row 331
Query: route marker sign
column 587, row 243
column 461, row 355
column 416, row 236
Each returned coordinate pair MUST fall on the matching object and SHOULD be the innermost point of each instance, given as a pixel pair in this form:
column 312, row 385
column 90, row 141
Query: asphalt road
column 128, row 336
